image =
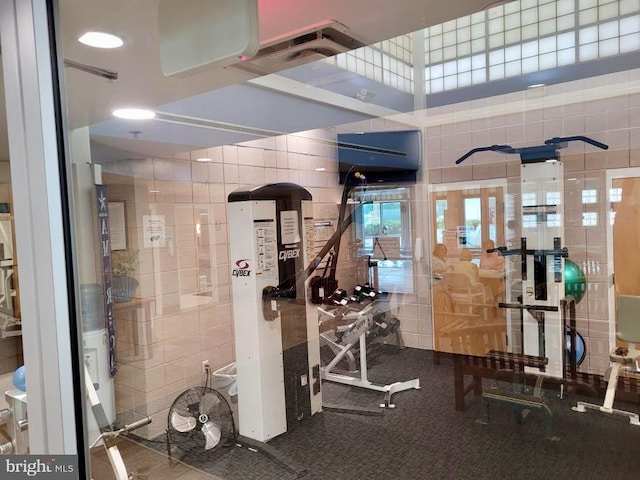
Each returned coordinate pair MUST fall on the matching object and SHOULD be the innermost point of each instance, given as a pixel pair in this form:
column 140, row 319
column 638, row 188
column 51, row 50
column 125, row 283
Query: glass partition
column 246, row 289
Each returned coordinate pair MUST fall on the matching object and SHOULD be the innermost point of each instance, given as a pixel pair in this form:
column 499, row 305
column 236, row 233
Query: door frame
column 613, row 174
column 42, row 232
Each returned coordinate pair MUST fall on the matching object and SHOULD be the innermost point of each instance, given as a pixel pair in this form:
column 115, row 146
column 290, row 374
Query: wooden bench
column 489, row 366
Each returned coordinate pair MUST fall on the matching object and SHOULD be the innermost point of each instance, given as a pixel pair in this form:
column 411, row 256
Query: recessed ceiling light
column 134, row 113
column 101, row 40
column 537, row 85
column 154, row 191
column 320, row 169
column 203, row 159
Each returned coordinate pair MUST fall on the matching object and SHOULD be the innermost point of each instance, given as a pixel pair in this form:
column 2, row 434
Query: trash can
column 224, row 381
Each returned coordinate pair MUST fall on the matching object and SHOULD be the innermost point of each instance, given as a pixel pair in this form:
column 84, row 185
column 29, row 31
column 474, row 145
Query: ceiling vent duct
column 307, row 45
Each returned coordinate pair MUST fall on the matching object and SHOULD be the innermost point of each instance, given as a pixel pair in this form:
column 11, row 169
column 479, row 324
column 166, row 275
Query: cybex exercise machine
column 277, row 347
column 276, row 330
column 539, row 306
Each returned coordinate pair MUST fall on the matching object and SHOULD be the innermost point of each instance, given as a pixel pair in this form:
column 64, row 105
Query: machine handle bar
column 124, row 430
column 581, row 138
column 563, row 252
column 518, row 306
column 491, row 148
column 555, row 142
column 135, row 425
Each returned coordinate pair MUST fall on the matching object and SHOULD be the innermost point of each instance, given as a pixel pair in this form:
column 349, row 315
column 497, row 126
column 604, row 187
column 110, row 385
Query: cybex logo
column 287, row 254
column 243, row 268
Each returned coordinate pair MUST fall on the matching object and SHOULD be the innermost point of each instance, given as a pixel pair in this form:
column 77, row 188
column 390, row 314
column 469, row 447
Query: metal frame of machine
column 358, row 323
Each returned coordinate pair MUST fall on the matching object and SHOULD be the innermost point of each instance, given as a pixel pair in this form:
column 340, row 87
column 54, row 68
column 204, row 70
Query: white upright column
column 542, row 222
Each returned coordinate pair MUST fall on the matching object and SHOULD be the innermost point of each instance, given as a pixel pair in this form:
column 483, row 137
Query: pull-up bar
column 537, row 153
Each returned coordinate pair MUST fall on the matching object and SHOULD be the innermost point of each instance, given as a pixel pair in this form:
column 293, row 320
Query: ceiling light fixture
column 203, row 159
column 365, row 95
column 134, row 113
column 320, row 169
column 101, row 40
column 537, row 85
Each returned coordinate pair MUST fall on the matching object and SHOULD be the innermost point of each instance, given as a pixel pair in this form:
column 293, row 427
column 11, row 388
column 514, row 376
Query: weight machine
column 357, row 324
column 14, row 424
column 276, row 329
column 539, row 307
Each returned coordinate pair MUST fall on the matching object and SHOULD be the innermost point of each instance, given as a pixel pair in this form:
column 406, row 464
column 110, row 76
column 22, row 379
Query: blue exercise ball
column 575, row 283
column 18, row 379
column 581, row 348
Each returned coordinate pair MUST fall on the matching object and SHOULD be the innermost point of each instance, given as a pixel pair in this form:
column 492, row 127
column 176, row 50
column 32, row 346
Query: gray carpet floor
column 425, row 438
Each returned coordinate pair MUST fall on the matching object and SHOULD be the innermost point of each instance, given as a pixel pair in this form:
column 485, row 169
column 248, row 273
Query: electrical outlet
column 205, row 366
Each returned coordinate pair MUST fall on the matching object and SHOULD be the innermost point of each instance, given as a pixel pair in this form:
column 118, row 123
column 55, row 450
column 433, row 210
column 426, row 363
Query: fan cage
column 192, row 403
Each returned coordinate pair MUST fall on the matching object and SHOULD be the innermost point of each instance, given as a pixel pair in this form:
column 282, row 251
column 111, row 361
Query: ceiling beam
column 308, row 92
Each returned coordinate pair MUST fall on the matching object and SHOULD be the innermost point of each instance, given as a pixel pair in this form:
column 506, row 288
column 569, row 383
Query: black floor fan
column 200, row 419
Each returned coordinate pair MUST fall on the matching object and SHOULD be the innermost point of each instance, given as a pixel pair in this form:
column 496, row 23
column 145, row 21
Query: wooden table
column 139, row 313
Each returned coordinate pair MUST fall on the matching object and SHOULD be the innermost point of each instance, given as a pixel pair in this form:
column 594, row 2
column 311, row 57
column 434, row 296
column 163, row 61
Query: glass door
column 467, row 282
column 624, row 225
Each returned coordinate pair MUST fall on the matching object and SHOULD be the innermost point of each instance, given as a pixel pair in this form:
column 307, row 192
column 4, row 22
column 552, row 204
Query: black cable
column 341, row 213
column 377, row 242
column 208, row 382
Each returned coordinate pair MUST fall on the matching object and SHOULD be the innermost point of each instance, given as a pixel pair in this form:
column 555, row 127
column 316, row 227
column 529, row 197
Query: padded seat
column 630, row 357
